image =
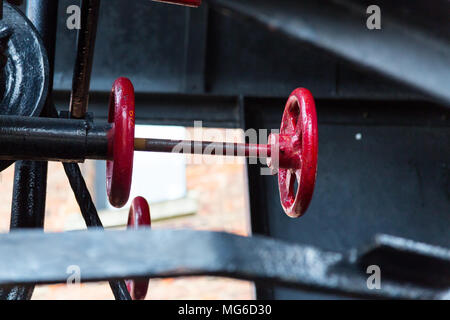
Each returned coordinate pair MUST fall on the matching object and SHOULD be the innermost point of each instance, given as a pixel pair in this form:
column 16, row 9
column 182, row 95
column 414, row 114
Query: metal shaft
column 84, row 60
column 51, row 139
column 75, row 140
column 203, row 147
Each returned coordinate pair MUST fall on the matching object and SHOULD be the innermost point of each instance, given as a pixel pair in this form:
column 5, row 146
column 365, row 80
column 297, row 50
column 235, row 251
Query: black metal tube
column 85, row 55
column 50, row 139
column 75, row 140
column 29, row 195
column 97, row 141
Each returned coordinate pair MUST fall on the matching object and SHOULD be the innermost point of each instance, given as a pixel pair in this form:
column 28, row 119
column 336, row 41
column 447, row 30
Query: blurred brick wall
column 60, row 200
column 220, row 183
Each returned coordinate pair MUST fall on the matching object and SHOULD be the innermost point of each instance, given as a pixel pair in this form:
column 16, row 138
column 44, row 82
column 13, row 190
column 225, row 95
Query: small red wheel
column 119, row 169
column 297, row 149
column 138, row 217
column 189, row 3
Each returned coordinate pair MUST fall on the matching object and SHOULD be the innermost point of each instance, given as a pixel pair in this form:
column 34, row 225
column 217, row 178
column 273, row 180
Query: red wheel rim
column 299, row 121
column 138, row 217
column 119, row 170
column 189, row 3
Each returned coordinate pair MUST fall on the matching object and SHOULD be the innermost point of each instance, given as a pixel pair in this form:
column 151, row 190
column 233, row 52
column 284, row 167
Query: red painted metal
column 297, row 149
column 189, row 3
column 293, row 152
column 119, row 169
column 138, row 217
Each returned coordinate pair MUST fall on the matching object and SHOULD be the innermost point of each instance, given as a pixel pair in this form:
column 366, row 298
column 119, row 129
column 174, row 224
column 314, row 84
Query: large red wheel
column 119, row 169
column 297, row 150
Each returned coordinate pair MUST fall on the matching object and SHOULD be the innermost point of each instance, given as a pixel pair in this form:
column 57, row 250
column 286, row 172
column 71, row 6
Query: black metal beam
column 223, row 111
column 35, row 257
column 169, row 109
column 403, row 51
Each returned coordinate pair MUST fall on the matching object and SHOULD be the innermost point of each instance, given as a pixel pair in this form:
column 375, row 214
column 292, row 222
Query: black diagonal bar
column 90, row 216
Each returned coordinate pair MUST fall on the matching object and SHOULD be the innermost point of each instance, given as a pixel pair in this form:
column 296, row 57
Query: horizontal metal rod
column 67, row 140
column 203, row 147
column 75, row 140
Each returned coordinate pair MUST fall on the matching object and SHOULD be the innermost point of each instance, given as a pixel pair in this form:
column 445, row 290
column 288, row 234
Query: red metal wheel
column 138, row 217
column 119, row 169
column 297, row 149
column 189, row 3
